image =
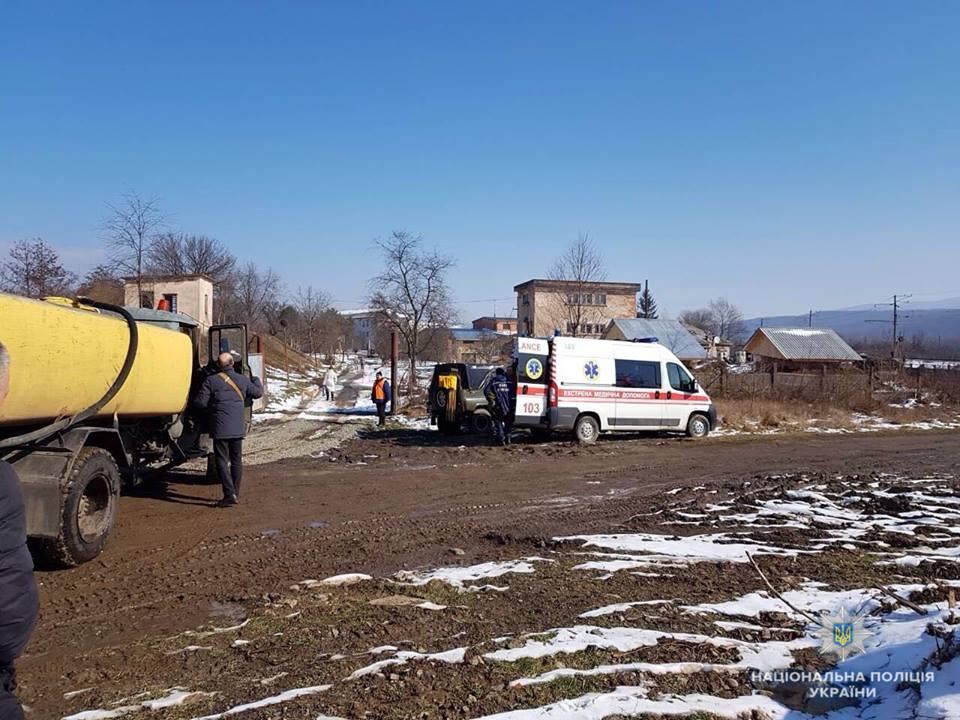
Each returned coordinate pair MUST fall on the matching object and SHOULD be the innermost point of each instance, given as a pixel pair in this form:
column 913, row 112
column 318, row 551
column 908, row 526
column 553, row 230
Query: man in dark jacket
column 224, row 396
column 18, row 592
column 499, row 394
column 380, row 394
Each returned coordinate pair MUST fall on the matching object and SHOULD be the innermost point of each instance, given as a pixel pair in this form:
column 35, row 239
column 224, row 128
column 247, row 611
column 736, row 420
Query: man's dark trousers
column 9, row 707
column 381, row 412
column 229, row 459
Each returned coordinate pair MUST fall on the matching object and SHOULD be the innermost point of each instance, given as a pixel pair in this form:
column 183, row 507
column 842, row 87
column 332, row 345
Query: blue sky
column 785, row 155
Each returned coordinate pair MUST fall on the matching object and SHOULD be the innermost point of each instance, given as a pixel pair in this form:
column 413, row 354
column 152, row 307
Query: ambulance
column 588, row 387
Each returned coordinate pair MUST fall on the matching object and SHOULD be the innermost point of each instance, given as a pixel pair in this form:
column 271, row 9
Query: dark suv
column 470, row 405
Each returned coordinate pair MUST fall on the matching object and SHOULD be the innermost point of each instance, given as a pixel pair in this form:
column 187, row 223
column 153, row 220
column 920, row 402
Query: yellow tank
column 63, row 359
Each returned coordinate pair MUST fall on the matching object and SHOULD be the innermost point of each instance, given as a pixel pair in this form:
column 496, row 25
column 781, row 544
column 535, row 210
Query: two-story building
column 571, row 307
column 507, row 325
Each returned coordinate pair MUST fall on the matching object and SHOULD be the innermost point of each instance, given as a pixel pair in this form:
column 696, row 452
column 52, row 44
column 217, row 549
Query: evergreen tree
column 647, row 306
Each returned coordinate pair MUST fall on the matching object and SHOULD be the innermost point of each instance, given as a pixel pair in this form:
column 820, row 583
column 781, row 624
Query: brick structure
column 506, row 325
column 572, row 307
column 190, row 295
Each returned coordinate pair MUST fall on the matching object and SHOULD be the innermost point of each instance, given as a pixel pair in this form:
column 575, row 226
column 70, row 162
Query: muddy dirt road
column 402, row 499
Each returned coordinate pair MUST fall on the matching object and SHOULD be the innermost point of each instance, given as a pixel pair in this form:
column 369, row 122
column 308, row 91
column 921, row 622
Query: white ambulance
column 594, row 386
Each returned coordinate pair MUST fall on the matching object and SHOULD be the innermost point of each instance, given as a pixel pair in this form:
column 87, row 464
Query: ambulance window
column 638, row 374
column 679, row 378
column 532, row 369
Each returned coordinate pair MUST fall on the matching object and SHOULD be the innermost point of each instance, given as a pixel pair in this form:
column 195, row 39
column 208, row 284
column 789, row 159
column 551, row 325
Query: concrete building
column 478, row 346
column 190, row 295
column 506, row 325
column 799, row 348
column 364, row 323
column 573, row 308
column 669, row 333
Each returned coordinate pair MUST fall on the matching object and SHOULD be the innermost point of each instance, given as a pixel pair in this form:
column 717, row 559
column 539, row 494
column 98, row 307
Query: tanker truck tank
column 65, row 357
column 98, row 399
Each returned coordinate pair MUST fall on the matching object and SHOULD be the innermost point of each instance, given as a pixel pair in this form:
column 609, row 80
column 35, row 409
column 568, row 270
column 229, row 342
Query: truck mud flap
column 40, row 473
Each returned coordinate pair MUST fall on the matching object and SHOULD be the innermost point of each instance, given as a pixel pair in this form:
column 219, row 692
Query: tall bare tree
column 176, row 253
column 727, row 320
column 311, row 305
column 33, row 269
column 411, row 292
column 253, row 296
column 580, row 267
column 129, row 230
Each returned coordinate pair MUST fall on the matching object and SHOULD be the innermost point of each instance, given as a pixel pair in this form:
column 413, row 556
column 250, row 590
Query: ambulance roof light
column 646, row 340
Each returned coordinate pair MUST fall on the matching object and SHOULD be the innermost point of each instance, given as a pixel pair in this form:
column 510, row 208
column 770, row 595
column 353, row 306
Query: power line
column 898, row 301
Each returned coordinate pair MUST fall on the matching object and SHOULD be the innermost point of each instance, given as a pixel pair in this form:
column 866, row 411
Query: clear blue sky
column 786, row 155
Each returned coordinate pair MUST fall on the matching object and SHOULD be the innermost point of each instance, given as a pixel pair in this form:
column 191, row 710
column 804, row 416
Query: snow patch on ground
column 458, row 576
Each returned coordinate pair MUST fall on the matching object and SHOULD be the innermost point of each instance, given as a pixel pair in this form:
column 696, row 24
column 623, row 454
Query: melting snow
column 457, row 576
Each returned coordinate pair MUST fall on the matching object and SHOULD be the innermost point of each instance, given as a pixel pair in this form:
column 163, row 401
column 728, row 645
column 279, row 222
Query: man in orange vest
column 380, row 397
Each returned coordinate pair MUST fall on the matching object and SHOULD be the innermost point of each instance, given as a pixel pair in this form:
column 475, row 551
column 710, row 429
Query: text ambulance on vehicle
column 592, row 386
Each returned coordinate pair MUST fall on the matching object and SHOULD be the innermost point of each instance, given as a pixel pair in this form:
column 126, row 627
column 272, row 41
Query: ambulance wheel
column 586, row 429
column 698, row 426
column 91, row 496
column 480, row 422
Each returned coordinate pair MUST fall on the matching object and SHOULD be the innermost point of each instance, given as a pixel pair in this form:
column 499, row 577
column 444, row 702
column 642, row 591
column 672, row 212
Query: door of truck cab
column 231, row 339
column 532, row 377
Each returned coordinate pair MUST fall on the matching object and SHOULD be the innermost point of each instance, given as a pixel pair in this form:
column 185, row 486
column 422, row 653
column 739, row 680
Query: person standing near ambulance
column 499, row 394
column 381, row 396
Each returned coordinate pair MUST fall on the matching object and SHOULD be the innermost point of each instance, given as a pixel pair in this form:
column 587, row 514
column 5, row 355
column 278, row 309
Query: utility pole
column 810, row 319
column 896, row 304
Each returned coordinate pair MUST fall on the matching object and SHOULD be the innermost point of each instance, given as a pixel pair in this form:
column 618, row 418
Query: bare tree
column 172, row 253
column 129, row 230
column 253, row 296
column 580, row 267
column 102, row 284
column 727, row 320
column 411, row 292
column 311, row 305
column 33, row 269
column 699, row 318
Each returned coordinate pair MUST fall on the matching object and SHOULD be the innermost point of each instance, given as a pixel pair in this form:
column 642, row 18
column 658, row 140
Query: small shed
column 670, row 333
column 799, row 348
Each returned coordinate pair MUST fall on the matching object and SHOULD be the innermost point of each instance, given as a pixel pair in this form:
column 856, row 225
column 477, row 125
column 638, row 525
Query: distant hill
column 933, row 324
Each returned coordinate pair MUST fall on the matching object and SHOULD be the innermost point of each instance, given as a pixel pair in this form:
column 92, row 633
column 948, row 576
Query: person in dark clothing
column 499, row 394
column 224, row 396
column 381, row 396
column 19, row 602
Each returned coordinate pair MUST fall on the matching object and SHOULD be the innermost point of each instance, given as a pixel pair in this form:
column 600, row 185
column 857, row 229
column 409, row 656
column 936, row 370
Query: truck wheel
column 698, row 426
column 480, row 422
column 91, row 497
column 447, row 427
column 586, row 430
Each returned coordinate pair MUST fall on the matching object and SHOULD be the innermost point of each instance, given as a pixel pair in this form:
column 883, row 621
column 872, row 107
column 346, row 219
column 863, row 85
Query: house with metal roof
column 669, row 333
column 787, row 347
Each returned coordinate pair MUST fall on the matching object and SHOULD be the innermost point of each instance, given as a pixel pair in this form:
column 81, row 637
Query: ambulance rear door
column 532, row 358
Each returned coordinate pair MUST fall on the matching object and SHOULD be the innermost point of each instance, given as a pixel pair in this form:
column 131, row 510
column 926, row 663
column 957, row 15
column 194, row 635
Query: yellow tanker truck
column 99, row 399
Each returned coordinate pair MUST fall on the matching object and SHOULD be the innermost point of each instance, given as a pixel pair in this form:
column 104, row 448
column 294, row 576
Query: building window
column 600, row 299
column 206, row 306
column 571, row 328
column 171, row 299
column 526, row 299
column 586, row 299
